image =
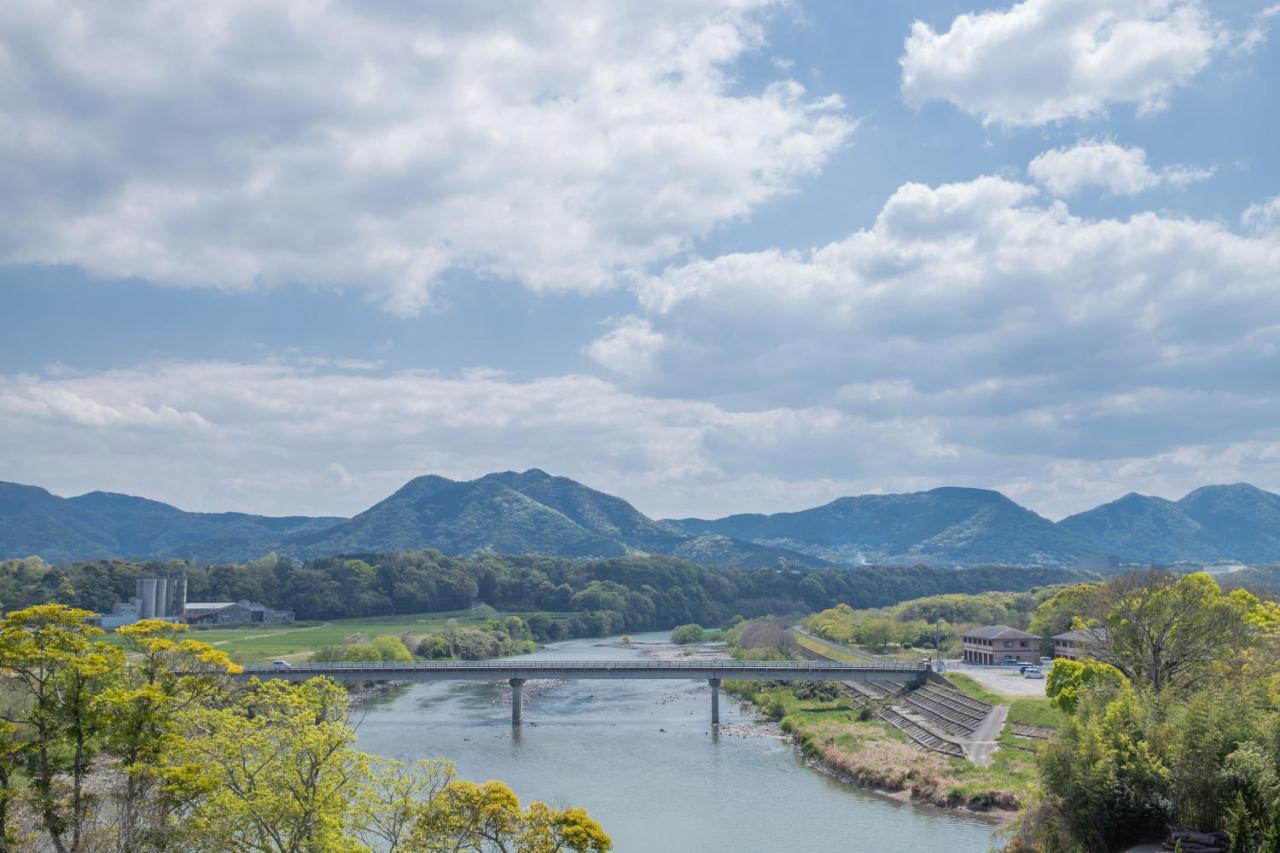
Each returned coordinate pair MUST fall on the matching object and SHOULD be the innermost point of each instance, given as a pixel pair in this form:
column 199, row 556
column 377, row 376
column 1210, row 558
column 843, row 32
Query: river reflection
column 640, row 757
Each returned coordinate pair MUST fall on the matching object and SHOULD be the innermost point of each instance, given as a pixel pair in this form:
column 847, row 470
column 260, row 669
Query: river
column 639, row 756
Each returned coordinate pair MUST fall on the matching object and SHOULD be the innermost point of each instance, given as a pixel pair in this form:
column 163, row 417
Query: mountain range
column 532, row 512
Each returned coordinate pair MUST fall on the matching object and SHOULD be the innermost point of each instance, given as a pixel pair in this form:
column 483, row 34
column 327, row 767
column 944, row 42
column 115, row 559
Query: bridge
column 517, row 672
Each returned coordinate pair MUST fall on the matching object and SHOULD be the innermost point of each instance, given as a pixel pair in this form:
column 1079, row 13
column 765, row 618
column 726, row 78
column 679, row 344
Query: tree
column 392, row 649
column 684, row 634
column 50, row 652
column 1068, row 679
column 1168, row 631
column 274, row 770
column 487, row 817
column 171, row 673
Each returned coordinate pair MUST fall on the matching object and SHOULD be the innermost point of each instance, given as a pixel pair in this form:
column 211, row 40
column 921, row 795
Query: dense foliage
column 920, row 621
column 1177, row 725
column 606, row 596
column 160, row 751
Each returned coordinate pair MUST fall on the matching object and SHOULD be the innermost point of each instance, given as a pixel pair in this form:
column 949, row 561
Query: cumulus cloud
column 1263, row 216
column 1010, row 324
column 1043, row 61
column 1116, row 169
column 628, row 348
column 239, row 144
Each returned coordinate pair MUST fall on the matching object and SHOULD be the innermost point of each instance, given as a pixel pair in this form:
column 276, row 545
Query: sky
column 712, row 256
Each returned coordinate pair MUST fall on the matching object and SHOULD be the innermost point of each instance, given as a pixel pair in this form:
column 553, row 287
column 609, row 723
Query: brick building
column 995, row 644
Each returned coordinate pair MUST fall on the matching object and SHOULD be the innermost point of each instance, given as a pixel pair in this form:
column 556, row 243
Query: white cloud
column 240, row 145
column 629, row 348
column 285, row 437
column 1043, row 61
column 1117, row 169
column 1263, row 217
column 1010, row 324
column 281, row 437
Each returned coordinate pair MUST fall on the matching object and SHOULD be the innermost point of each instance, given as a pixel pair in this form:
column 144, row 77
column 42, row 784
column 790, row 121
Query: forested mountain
column 946, row 525
column 1232, row 522
column 532, row 512
column 103, row 524
column 522, row 513
column 506, row 513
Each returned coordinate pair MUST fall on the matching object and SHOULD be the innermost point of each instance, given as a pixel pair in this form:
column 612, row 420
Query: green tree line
column 608, row 595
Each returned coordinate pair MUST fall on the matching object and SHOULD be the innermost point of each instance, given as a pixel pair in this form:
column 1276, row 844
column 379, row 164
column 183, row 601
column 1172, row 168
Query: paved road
column 1007, row 682
column 981, row 748
column 495, row 670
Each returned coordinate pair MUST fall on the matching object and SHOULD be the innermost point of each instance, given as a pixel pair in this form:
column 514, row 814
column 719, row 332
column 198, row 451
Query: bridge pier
column 715, row 702
column 517, row 700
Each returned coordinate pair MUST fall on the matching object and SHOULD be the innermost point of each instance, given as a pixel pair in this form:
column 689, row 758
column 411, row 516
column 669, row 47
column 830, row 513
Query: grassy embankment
column 299, row 640
column 876, row 755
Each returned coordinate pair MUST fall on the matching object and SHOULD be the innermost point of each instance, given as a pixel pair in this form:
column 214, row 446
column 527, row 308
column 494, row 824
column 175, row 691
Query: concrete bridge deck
column 516, row 672
column 495, row 670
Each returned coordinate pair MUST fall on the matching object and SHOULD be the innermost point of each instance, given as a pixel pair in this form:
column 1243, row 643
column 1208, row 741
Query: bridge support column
column 715, row 701
column 517, row 701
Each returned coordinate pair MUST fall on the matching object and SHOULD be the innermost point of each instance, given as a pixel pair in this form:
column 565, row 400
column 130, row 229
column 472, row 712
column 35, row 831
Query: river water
column 639, row 756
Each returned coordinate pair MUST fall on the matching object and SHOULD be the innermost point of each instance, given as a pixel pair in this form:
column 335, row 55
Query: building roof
column 999, row 632
column 208, row 605
column 1087, row 634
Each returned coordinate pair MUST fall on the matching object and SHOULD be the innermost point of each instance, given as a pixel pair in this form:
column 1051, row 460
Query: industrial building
column 233, row 613
column 164, row 596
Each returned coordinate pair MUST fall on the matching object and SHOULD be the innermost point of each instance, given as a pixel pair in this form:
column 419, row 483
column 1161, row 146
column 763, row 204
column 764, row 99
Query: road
column 1005, row 681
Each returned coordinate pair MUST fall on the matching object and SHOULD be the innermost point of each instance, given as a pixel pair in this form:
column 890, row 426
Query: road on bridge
column 516, row 672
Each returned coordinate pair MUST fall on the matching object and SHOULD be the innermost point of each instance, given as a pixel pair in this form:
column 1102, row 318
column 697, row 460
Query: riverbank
column 832, row 738
column 866, row 754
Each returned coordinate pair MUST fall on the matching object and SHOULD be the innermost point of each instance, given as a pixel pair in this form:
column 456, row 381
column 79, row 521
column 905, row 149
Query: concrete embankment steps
column 936, row 716
column 864, row 693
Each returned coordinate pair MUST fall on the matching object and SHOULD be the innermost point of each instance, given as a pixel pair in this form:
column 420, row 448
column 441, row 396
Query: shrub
column 688, row 634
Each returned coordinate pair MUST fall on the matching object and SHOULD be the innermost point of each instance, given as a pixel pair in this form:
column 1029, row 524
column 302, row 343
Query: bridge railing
column 507, row 666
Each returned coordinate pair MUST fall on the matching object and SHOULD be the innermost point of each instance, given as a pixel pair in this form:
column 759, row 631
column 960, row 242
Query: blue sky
column 711, row 256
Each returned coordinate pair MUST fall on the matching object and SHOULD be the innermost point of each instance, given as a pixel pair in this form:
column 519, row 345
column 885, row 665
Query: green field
column 297, row 640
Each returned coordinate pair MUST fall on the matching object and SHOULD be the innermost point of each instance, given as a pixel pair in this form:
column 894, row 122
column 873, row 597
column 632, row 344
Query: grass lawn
column 825, row 650
column 297, row 640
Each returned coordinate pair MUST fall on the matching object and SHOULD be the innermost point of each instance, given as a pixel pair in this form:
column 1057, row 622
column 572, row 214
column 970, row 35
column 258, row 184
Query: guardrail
column 595, row 666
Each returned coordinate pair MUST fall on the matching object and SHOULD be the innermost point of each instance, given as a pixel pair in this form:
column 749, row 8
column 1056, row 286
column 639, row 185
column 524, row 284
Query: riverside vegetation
column 855, row 745
column 1173, row 722
column 158, row 749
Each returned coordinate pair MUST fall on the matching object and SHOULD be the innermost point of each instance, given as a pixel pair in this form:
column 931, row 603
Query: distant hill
column 505, row 513
column 1213, row 523
column 945, row 525
column 104, row 524
column 520, row 513
column 532, row 512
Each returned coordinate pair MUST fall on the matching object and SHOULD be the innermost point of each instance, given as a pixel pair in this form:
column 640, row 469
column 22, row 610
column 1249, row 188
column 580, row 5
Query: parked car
column 1033, row 672
column 1046, row 661
column 1010, row 662
column 281, row 664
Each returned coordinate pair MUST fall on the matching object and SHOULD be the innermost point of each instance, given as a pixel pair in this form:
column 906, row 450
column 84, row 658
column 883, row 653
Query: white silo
column 147, row 592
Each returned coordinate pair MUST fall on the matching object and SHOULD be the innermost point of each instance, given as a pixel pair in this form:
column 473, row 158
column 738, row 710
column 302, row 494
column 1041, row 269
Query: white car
column 1033, row 672
column 281, row 664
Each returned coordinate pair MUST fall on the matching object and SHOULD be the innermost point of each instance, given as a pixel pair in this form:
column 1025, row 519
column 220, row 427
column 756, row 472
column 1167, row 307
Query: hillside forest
column 607, row 596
